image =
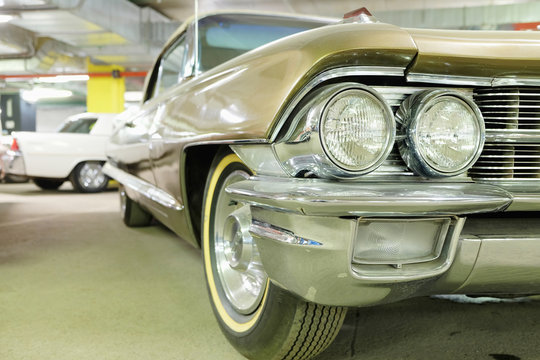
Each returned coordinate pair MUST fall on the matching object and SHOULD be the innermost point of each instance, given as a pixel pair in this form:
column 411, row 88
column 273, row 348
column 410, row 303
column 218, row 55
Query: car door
column 164, row 149
column 130, row 144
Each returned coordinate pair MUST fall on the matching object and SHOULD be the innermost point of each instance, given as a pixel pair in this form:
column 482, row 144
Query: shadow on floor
column 427, row 328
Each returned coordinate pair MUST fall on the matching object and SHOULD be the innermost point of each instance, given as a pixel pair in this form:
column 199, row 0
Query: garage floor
column 75, row 283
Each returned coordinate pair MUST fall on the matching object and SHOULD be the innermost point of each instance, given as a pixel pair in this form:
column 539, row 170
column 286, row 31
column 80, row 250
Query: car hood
column 247, row 97
column 490, row 54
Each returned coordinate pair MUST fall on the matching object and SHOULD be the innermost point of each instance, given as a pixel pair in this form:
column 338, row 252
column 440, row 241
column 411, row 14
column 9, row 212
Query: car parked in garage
column 76, row 152
column 322, row 165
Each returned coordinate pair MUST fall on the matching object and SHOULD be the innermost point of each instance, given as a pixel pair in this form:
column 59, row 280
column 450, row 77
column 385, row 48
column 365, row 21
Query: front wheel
column 88, row 177
column 259, row 319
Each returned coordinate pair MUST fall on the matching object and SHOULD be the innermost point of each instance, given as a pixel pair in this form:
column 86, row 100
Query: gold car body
column 165, row 150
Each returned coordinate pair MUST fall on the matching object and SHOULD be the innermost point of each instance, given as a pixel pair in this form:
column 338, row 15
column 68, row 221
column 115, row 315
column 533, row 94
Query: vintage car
column 324, row 164
column 76, row 152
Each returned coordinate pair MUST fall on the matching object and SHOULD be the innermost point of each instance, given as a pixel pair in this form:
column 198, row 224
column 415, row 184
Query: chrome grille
column 512, row 119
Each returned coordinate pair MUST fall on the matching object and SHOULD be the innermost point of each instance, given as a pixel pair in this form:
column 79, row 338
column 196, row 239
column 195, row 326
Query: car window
column 171, row 65
column 223, row 37
column 80, row 126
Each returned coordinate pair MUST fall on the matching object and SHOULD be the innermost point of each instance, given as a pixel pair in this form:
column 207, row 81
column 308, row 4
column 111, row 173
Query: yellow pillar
column 105, row 94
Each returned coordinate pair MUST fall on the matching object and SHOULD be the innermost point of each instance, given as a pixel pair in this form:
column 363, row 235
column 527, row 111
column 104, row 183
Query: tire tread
column 317, row 327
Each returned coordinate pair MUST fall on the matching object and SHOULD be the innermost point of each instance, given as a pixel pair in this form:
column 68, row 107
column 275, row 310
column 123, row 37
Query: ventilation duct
column 115, row 32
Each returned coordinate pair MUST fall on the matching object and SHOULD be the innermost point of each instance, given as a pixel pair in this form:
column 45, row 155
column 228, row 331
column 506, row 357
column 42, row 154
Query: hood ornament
column 361, row 16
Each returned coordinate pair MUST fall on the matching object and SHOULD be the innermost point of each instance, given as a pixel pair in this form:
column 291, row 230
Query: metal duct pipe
column 50, row 54
column 15, row 42
column 479, row 17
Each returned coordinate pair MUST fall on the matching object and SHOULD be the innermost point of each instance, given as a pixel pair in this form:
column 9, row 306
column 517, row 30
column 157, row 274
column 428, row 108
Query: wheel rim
column 237, row 259
column 91, row 176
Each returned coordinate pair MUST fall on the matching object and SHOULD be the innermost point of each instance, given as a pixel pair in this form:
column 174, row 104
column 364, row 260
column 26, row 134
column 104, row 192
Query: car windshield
column 79, row 126
column 223, row 37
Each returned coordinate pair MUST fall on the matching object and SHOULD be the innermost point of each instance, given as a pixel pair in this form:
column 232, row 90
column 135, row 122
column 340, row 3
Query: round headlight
column 357, row 130
column 443, row 133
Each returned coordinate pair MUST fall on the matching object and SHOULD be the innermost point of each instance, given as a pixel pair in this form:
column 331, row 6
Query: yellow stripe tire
column 283, row 326
column 233, row 324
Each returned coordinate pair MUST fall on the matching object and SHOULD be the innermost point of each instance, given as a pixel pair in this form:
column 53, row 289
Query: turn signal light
column 398, row 242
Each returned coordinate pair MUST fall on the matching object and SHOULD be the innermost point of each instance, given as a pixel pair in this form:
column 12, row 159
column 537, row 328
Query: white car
column 76, row 152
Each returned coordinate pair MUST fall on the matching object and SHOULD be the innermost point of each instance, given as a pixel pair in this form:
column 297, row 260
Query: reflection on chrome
column 265, row 230
column 146, row 189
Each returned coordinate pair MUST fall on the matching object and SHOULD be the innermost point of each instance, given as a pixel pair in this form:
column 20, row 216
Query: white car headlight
column 357, row 130
column 338, row 131
column 443, row 133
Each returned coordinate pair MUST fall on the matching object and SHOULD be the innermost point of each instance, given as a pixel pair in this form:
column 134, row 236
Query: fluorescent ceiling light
column 62, row 78
column 37, row 94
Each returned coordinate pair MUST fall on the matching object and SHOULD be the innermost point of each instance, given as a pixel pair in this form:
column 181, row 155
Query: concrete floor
column 75, row 283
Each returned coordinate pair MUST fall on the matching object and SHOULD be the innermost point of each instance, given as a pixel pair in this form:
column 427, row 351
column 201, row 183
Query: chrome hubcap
column 91, row 175
column 238, row 261
column 237, row 241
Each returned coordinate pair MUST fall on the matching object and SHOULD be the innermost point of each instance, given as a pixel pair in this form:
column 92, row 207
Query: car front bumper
column 308, row 233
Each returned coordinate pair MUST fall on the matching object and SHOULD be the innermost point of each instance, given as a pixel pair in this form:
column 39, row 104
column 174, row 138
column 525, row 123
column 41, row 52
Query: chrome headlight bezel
column 303, row 149
column 387, row 114
column 408, row 116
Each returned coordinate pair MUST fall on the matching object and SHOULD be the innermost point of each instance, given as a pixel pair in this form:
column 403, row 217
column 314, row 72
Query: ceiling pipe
column 16, row 38
column 92, row 75
column 114, row 32
column 467, row 17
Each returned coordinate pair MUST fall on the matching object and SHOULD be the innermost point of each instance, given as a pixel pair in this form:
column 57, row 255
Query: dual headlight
column 341, row 131
column 441, row 133
column 357, row 130
column 347, row 130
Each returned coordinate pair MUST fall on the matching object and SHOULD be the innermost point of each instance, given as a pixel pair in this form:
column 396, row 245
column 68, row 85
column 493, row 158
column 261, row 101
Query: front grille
column 512, row 148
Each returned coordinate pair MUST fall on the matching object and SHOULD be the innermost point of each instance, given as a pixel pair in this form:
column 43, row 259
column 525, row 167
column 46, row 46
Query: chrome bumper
column 316, row 197
column 306, row 231
column 14, row 163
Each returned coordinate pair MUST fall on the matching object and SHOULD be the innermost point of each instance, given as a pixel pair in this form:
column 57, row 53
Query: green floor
column 76, row 284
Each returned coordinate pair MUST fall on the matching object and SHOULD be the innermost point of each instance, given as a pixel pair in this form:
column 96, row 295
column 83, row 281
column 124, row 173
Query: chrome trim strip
column 508, row 237
column 328, row 198
column 513, row 136
column 515, row 81
column 142, row 187
column 226, row 142
column 269, row 231
column 470, row 80
column 332, row 74
column 449, row 79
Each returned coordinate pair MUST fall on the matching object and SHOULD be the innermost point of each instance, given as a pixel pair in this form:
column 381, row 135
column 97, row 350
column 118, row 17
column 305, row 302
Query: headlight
column 442, row 133
column 339, row 131
column 357, row 130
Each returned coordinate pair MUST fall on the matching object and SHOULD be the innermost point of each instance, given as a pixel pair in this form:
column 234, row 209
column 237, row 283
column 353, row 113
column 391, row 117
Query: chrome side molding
column 142, row 187
column 269, row 231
